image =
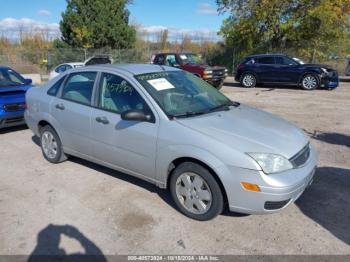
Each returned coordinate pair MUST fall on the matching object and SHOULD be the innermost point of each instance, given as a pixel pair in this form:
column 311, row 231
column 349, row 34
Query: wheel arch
column 309, row 72
column 249, row 72
column 176, row 162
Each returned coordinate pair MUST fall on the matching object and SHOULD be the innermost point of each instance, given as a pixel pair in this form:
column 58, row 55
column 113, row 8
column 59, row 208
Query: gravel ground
column 77, row 206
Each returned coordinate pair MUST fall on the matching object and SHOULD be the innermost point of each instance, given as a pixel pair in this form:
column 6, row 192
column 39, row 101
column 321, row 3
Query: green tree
column 97, row 24
column 304, row 26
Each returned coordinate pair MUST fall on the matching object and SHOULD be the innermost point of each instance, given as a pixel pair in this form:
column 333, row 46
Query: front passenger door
column 126, row 145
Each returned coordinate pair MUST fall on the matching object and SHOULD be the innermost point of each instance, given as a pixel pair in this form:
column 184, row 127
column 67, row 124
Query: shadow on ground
column 48, row 246
column 327, row 201
column 331, row 138
column 13, row 129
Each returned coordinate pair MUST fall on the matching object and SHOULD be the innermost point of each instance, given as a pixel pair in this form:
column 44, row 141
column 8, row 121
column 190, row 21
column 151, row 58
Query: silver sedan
column 172, row 129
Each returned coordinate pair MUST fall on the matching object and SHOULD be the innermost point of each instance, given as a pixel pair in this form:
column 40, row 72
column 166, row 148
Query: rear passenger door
column 71, row 109
column 266, row 69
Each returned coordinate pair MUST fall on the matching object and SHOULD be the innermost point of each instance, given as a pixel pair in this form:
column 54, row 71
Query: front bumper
column 277, row 190
column 330, row 81
column 216, row 82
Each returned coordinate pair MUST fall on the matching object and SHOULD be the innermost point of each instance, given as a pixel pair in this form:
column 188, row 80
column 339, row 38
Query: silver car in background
column 173, row 129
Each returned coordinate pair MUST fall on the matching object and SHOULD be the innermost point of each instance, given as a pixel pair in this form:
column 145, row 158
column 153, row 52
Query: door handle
column 102, row 120
column 60, row 106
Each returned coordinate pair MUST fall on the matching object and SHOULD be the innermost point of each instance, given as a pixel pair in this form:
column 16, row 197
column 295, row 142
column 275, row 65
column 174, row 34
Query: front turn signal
column 250, row 187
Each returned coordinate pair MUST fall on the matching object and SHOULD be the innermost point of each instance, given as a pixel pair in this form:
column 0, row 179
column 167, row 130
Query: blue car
column 285, row 70
column 13, row 88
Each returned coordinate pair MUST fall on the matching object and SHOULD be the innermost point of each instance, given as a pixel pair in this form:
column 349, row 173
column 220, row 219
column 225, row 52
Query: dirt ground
column 77, row 206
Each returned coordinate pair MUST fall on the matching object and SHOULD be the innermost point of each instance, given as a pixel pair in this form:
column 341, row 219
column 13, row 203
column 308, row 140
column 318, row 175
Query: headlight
column 226, row 70
column 208, row 72
column 271, row 163
column 324, row 70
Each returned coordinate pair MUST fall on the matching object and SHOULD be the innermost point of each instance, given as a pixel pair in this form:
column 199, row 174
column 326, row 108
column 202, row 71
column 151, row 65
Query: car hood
column 248, row 129
column 318, row 65
column 206, row 67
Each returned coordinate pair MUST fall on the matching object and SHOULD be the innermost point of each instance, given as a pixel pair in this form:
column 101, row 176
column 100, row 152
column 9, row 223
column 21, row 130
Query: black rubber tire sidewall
column 60, row 155
column 217, row 196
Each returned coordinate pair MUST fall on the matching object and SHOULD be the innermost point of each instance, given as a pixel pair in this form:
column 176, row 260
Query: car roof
column 175, row 53
column 264, row 55
column 4, row 67
column 135, row 69
column 73, row 63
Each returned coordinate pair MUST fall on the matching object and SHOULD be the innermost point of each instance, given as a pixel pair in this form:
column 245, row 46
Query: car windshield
column 8, row 77
column 181, row 94
column 192, row 59
column 299, row 61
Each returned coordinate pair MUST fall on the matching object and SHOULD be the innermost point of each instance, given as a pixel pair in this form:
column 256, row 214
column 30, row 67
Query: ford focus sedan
column 173, row 129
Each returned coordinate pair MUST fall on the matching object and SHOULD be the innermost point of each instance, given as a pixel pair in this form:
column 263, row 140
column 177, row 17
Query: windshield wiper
column 223, row 107
column 187, row 114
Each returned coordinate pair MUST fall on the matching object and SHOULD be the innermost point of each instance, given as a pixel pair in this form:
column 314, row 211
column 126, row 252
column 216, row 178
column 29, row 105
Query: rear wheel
column 51, row 145
column 196, row 192
column 310, row 82
column 248, row 80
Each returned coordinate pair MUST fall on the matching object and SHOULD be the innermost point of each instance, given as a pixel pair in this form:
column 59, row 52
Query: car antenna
column 162, row 68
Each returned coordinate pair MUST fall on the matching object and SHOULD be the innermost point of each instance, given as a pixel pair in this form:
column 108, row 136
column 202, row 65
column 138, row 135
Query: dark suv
column 285, row 70
column 193, row 63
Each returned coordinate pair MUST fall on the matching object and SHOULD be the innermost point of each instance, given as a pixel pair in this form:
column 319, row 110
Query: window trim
column 60, row 94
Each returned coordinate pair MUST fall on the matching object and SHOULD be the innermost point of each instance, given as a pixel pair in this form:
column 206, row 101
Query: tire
column 202, row 198
column 219, row 86
column 51, row 145
column 248, row 80
column 310, row 82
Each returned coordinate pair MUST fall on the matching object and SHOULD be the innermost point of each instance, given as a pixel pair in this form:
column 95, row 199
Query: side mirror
column 136, row 115
column 28, row 81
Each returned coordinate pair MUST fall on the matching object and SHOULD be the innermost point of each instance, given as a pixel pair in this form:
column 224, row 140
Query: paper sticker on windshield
column 160, row 84
column 183, row 57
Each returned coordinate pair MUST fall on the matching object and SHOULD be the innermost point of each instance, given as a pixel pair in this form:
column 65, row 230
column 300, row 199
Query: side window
column 60, row 69
column 14, row 77
column 54, row 89
column 268, row 60
column 117, row 95
column 160, row 60
column 170, row 60
column 280, row 60
column 78, row 87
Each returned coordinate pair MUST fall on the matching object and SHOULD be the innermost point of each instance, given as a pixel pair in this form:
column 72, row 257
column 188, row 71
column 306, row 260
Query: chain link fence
column 43, row 61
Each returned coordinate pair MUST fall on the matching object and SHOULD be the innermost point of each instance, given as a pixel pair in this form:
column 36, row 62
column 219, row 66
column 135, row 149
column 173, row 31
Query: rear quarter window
column 54, row 89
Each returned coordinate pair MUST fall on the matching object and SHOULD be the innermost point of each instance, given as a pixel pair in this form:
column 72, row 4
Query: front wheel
column 196, row 192
column 248, row 80
column 310, row 82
